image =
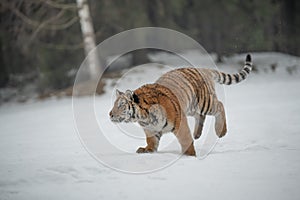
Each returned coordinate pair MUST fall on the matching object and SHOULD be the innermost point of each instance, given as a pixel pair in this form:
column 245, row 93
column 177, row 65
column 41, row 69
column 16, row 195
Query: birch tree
column 88, row 35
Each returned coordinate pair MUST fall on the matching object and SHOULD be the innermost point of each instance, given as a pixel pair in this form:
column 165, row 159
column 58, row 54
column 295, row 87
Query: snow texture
column 41, row 156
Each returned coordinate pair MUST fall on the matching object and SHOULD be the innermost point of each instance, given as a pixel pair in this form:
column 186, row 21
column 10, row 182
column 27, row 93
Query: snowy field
column 41, row 156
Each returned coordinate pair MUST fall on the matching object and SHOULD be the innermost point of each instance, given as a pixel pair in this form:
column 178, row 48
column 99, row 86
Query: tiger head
column 125, row 107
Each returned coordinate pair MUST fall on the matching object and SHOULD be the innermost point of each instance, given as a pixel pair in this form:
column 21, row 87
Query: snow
column 41, row 155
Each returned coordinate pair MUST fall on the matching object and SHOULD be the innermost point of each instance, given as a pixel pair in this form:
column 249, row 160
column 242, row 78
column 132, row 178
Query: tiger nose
column 110, row 114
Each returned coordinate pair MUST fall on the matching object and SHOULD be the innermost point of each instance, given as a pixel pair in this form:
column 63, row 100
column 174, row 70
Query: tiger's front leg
column 152, row 140
column 182, row 132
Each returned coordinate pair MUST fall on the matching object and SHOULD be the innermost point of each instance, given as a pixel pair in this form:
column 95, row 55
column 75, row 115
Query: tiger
column 164, row 105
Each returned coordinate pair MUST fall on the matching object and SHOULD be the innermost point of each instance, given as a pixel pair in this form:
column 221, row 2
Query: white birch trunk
column 88, row 34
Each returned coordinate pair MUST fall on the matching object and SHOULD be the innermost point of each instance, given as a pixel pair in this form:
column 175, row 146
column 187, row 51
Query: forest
column 41, row 40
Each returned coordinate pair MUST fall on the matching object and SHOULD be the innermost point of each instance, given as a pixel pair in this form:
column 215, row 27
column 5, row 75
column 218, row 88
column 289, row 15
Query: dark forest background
column 41, row 40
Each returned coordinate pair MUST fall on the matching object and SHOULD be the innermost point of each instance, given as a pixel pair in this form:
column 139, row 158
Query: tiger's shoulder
column 152, row 94
column 158, row 102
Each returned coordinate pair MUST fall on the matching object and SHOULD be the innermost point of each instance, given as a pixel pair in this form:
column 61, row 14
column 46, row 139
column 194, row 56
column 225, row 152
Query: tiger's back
column 194, row 89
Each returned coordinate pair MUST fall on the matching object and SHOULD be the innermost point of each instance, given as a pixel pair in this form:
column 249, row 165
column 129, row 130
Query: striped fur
column 164, row 105
column 229, row 79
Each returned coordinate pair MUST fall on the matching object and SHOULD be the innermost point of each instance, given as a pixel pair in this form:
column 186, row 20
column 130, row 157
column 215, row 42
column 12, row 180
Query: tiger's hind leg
column 152, row 140
column 199, row 121
column 220, row 119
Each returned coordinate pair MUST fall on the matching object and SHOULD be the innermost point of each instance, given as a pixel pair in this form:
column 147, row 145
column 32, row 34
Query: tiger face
column 124, row 108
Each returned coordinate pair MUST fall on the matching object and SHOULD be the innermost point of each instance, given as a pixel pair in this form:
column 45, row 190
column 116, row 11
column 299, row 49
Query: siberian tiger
column 164, row 105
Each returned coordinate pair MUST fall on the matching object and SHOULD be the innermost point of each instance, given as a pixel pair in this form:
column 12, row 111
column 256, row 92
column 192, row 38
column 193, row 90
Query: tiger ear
column 129, row 94
column 118, row 93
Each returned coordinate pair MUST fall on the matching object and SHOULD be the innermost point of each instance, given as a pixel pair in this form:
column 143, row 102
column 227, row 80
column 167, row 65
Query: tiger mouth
column 119, row 120
column 116, row 120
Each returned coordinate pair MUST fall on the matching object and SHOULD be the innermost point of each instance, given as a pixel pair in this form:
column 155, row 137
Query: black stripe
column 133, row 112
column 135, row 98
column 248, row 58
column 195, row 76
column 248, row 64
column 219, row 77
column 178, row 82
column 203, row 104
column 158, row 135
column 193, row 80
column 247, row 70
column 229, row 79
column 206, row 91
column 184, row 82
column 236, row 76
column 145, row 109
column 224, row 77
column 208, row 105
column 173, row 99
column 243, row 75
column 166, row 124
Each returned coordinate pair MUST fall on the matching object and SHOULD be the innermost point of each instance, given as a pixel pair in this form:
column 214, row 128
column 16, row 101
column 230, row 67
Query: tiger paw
column 144, row 150
column 198, row 133
column 190, row 151
column 222, row 132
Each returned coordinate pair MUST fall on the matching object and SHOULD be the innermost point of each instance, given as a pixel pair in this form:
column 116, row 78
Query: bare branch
column 59, row 5
column 20, row 15
column 42, row 25
column 45, row 23
column 62, row 46
column 62, row 26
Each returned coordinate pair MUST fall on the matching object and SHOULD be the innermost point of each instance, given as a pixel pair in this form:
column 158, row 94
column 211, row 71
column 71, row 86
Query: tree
column 88, row 35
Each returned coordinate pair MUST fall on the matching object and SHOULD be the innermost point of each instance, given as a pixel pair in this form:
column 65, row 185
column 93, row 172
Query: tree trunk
column 289, row 10
column 3, row 71
column 88, row 34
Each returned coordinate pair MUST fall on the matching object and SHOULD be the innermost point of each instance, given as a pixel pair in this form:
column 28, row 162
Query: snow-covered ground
column 41, row 156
